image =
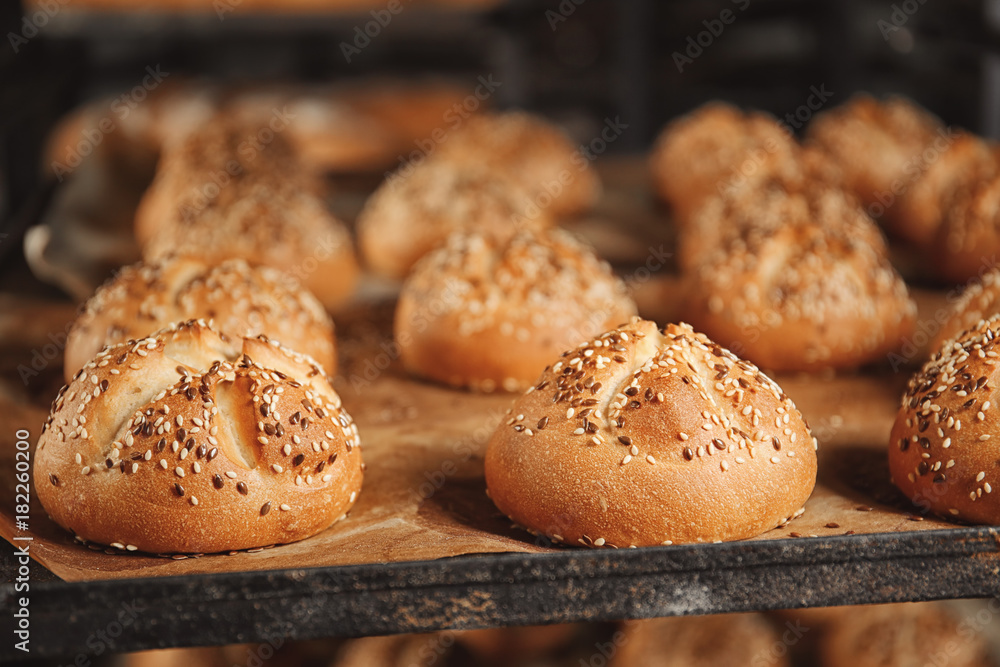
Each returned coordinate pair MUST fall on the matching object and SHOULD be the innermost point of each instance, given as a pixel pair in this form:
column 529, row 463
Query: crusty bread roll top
column 641, row 438
column 189, row 441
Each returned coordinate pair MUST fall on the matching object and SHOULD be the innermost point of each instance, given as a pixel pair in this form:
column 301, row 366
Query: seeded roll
column 700, row 641
column 878, row 145
column 942, row 453
column 774, row 204
column 718, row 149
column 526, row 149
column 968, row 242
column 239, row 299
column 222, row 193
column 190, row 441
column 415, row 211
column 489, row 313
column 640, row 438
column 979, row 301
column 815, row 292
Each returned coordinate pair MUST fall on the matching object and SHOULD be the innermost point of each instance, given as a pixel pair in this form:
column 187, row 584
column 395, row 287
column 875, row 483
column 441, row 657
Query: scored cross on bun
column 191, row 441
column 640, row 437
column 807, row 287
column 239, row 299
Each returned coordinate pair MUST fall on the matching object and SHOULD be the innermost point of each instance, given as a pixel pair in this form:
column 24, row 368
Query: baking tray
column 402, row 562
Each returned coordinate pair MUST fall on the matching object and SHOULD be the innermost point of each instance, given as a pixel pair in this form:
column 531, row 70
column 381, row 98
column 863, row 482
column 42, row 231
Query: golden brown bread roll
column 189, row 441
column 718, row 149
column 901, row 635
column 878, row 145
column 968, row 243
column 724, row 640
column 239, row 299
column 641, row 438
column 226, row 192
column 413, row 213
column 489, row 313
column 806, row 285
column 979, row 301
column 964, row 162
column 944, row 446
column 528, row 150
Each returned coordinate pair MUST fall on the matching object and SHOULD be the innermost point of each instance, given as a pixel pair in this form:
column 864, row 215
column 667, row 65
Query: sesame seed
column 179, row 471
column 775, row 459
column 276, row 468
column 650, row 459
column 327, row 477
column 194, row 500
column 230, row 474
column 284, row 508
column 599, row 542
column 628, row 457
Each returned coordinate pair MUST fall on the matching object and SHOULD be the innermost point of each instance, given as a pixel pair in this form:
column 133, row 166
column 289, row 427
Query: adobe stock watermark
column 776, row 652
column 696, row 44
column 249, row 149
column 390, row 350
column 929, row 327
column 454, row 117
column 913, row 170
column 900, row 15
column 791, row 121
column 370, row 30
column 119, row 109
column 33, row 23
column 581, row 159
column 462, row 450
column 562, row 13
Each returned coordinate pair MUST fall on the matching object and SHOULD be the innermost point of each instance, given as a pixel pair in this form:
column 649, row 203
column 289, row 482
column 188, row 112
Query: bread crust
column 632, row 440
column 238, row 299
column 979, row 301
column 943, row 449
column 487, row 312
column 968, row 242
column 877, row 144
column 527, row 150
column 718, row 149
column 220, row 195
column 804, row 284
column 189, row 441
column 414, row 212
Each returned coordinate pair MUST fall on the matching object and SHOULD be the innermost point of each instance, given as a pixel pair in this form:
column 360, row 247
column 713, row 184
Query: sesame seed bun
column 922, row 633
column 705, row 641
column 220, row 195
column 704, row 153
column 968, row 242
column 809, row 290
column 979, row 301
column 239, row 299
column 528, row 150
column 876, row 144
column 641, row 438
column 942, row 449
column 189, row 441
column 486, row 312
column 414, row 212
column 921, row 210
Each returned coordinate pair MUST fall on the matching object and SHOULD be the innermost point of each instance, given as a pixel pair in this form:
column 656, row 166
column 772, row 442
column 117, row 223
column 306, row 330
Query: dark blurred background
column 578, row 61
